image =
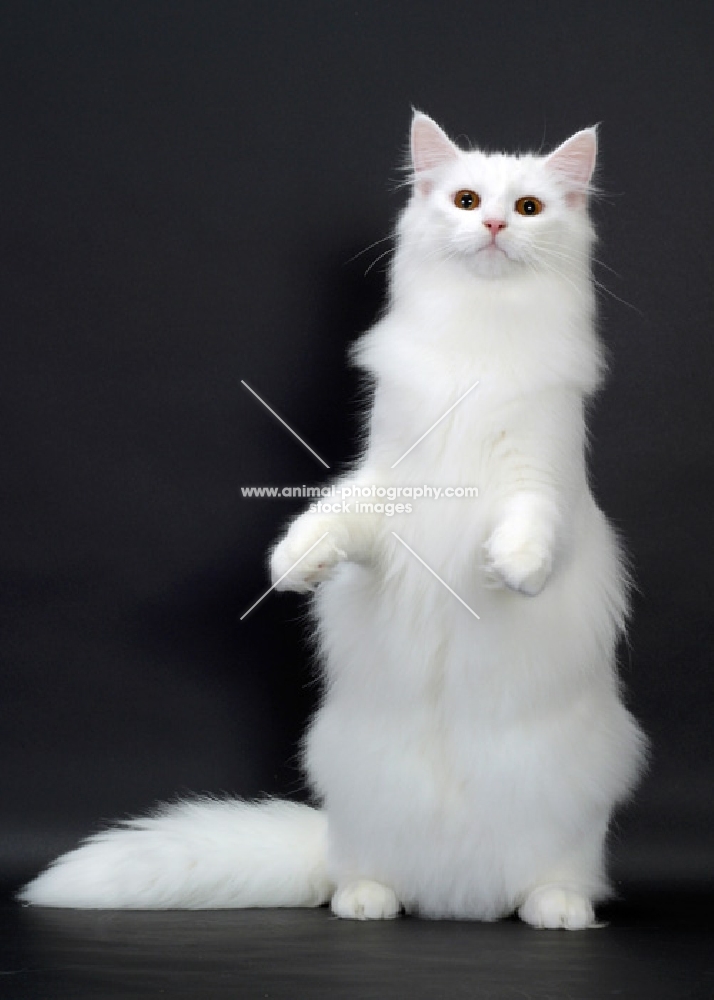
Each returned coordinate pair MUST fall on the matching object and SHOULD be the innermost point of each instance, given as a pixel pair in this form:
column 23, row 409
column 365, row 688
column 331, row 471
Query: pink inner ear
column 431, row 148
column 574, row 162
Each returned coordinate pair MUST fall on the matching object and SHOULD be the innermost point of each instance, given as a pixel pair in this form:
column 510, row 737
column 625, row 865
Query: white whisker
column 370, row 247
column 377, row 260
column 581, row 258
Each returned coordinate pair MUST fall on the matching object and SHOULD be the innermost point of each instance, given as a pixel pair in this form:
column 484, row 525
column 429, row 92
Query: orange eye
column 529, row 206
column 468, row 200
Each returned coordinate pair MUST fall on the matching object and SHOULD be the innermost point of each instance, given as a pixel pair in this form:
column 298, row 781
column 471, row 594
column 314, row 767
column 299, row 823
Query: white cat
column 466, row 766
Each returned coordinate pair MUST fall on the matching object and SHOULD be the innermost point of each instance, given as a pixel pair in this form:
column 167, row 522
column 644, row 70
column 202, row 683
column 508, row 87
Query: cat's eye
column 468, row 200
column 529, row 206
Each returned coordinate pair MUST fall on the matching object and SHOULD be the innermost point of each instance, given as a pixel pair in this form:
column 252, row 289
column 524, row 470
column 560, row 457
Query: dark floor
column 655, row 946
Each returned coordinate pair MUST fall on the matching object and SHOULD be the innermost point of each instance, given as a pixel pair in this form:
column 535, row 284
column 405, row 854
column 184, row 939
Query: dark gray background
column 184, row 188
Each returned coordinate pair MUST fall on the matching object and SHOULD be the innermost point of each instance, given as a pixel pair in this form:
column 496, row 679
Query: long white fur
column 199, row 854
column 466, row 767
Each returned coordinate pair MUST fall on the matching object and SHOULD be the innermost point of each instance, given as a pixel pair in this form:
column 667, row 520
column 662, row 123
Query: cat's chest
column 441, row 415
column 429, row 377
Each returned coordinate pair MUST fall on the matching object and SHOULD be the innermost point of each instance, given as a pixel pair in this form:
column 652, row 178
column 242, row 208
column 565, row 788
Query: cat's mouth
column 492, row 249
column 493, row 245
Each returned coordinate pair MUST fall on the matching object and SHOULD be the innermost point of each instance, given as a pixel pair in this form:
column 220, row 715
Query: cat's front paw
column 306, row 555
column 516, row 558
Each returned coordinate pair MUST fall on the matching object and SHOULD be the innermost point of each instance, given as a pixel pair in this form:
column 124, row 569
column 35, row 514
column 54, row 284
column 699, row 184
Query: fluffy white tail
column 198, row 854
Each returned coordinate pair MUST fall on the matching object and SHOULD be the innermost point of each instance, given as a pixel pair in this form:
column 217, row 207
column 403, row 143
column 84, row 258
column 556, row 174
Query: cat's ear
column 431, row 147
column 574, row 163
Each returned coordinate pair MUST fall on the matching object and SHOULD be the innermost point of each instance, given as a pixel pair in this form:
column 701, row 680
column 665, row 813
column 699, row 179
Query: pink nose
column 494, row 225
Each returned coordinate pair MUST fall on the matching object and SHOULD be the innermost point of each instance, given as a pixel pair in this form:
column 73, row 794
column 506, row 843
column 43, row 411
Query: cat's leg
column 519, row 552
column 539, row 480
column 364, row 899
column 316, row 542
column 564, row 898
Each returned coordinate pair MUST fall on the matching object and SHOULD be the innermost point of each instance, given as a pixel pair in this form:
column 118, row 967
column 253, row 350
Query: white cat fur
column 466, row 767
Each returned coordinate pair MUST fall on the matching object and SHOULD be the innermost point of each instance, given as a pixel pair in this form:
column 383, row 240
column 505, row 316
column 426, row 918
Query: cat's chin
column 492, row 262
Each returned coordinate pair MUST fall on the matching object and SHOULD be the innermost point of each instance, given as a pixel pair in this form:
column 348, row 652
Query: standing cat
column 471, row 744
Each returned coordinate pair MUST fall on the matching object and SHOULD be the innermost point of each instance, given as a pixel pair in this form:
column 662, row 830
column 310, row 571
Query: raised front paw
column 516, row 558
column 306, row 555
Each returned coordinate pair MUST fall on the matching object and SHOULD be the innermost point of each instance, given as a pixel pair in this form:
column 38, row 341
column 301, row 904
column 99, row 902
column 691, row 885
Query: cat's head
column 498, row 214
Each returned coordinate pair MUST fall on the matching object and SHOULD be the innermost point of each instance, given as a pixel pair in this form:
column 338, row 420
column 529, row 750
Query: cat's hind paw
column 365, row 900
column 551, row 907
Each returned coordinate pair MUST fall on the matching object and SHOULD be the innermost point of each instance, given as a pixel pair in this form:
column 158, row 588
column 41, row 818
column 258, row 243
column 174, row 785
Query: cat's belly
column 463, row 822
column 459, row 758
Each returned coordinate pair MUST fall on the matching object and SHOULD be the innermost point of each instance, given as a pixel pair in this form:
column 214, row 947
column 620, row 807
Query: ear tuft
column 430, row 149
column 574, row 163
